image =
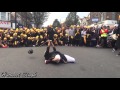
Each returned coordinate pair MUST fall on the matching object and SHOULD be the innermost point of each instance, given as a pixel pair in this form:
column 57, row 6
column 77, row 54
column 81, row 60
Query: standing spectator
column 114, row 39
column 0, row 42
column 77, row 37
column 94, row 38
column 88, row 37
column 67, row 30
column 104, row 35
column 118, row 34
column 71, row 32
column 83, row 34
column 50, row 32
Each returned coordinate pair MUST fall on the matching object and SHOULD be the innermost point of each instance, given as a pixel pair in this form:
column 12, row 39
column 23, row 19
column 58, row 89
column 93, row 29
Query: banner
column 5, row 24
column 95, row 19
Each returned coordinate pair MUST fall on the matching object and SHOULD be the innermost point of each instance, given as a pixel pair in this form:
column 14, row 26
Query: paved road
column 90, row 63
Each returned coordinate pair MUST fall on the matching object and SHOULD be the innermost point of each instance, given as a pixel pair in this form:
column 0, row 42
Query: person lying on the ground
column 56, row 56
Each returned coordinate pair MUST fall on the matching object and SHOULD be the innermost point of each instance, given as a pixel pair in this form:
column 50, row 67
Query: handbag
column 114, row 37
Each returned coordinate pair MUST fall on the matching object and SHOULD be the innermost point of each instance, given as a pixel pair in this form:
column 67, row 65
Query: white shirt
column 71, row 32
column 67, row 31
column 83, row 33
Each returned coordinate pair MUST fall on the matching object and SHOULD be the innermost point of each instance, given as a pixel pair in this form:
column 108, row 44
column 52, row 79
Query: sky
column 61, row 16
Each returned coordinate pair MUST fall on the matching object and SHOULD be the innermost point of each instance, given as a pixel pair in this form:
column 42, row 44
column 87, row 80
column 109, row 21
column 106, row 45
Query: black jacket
column 48, row 55
column 118, row 30
column 78, row 36
column 115, row 31
column 50, row 33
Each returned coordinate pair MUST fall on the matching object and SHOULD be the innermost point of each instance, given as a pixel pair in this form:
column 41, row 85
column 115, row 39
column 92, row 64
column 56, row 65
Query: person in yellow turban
column 29, row 41
column 61, row 39
column 5, row 43
column 33, row 41
column 65, row 40
column 77, row 38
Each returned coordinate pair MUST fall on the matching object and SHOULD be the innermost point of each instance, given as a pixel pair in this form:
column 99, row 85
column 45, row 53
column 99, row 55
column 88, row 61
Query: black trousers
column 93, row 43
column 88, row 43
column 47, row 53
column 118, row 42
column 70, row 42
column 77, row 42
column 114, row 44
column 104, row 42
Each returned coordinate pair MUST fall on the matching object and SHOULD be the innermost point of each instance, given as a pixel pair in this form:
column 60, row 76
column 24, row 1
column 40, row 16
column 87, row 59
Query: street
column 90, row 63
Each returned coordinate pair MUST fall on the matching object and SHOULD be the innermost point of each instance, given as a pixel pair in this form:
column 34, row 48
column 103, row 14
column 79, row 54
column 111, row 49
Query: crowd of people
column 73, row 35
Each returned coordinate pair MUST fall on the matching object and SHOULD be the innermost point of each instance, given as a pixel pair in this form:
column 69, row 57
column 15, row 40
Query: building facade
column 22, row 19
column 93, row 16
column 101, row 16
column 4, row 16
column 16, row 19
column 5, row 20
column 84, row 21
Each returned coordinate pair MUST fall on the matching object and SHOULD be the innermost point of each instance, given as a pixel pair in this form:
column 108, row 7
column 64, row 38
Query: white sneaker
column 97, row 46
column 113, row 50
column 118, row 54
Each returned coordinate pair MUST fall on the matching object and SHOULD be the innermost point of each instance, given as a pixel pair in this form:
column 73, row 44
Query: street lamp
column 15, row 19
column 26, row 19
column 107, row 17
column 75, row 18
column 102, row 16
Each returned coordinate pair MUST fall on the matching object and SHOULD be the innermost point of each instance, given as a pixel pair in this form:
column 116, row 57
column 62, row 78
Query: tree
column 26, row 17
column 39, row 18
column 56, row 23
column 78, row 23
column 72, row 19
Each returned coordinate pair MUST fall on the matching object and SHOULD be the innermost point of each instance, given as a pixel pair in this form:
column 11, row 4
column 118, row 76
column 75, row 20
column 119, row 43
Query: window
column 113, row 15
column 3, row 15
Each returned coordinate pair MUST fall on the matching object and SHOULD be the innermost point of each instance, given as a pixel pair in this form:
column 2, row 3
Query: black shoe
column 118, row 54
column 113, row 50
